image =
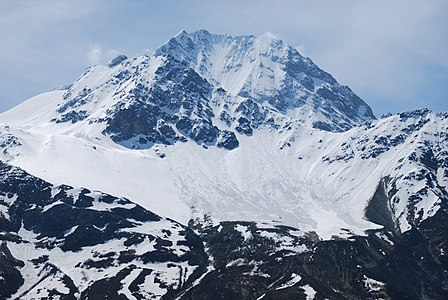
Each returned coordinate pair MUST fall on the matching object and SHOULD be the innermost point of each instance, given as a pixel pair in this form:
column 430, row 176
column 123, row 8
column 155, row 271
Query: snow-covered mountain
column 236, row 137
column 199, row 86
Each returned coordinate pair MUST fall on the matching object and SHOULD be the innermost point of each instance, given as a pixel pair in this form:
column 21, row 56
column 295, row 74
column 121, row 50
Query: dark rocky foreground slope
column 63, row 243
column 58, row 242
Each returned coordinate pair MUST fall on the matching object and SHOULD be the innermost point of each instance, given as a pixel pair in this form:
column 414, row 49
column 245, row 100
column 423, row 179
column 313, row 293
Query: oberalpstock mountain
column 220, row 167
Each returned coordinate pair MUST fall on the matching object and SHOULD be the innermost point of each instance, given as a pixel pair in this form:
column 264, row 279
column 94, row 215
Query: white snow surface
column 285, row 177
column 372, row 285
column 309, row 292
column 245, row 232
column 295, row 278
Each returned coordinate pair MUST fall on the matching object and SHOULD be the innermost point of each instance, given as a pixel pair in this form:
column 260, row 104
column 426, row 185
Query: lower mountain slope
column 58, row 242
column 302, row 177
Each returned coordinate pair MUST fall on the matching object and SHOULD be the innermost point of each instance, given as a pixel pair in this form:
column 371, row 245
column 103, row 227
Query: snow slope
column 307, row 178
column 192, row 132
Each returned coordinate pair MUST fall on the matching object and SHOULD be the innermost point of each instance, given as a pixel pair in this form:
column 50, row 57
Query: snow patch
column 295, row 278
column 245, row 232
column 372, row 285
column 309, row 292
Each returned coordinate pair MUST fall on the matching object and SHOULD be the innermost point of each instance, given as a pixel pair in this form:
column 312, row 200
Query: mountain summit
column 207, row 88
column 267, row 70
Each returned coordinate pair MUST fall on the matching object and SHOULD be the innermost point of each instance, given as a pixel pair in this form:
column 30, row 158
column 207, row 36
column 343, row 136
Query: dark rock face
column 117, row 60
column 177, row 108
column 378, row 210
column 244, row 126
column 75, row 101
column 11, row 277
column 227, row 140
column 253, row 116
column 381, row 265
column 71, row 116
column 9, row 141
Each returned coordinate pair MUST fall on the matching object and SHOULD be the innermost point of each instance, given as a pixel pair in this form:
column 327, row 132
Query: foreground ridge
column 71, row 243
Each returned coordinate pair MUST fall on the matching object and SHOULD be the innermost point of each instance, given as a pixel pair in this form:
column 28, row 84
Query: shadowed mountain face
column 240, row 171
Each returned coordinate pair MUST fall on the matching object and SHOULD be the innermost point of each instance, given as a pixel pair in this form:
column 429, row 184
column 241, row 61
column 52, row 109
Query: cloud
column 269, row 35
column 97, row 56
column 301, row 49
column 42, row 46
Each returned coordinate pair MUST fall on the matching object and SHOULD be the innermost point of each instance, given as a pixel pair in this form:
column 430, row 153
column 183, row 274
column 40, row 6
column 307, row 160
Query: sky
column 393, row 54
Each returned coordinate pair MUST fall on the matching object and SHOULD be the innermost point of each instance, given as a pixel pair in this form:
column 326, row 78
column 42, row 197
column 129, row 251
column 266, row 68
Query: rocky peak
column 204, row 87
column 266, row 69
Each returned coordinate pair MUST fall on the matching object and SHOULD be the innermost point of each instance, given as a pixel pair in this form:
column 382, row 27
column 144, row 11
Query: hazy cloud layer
column 392, row 53
column 97, row 55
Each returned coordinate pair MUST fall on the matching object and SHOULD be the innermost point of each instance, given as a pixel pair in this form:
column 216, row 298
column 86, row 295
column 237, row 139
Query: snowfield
column 289, row 177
